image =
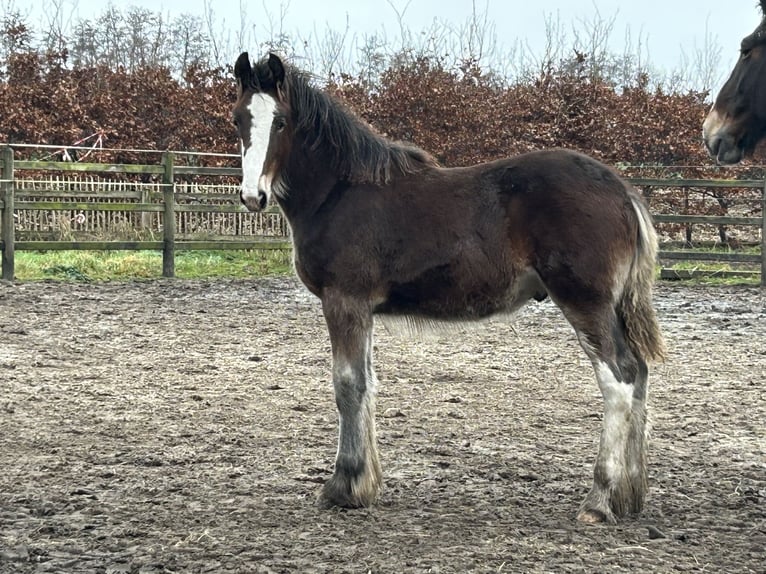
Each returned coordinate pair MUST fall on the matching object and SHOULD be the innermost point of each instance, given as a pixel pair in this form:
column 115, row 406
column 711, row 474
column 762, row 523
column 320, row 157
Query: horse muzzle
column 724, row 149
column 254, row 201
column 719, row 141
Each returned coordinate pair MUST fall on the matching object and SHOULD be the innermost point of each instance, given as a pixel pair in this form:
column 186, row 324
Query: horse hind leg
column 619, row 474
column 357, row 476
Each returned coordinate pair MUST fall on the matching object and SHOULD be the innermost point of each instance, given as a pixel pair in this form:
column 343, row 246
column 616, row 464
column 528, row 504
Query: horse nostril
column 262, row 199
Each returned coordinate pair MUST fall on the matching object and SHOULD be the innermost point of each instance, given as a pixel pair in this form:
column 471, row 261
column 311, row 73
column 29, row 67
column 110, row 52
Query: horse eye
column 280, row 123
column 745, row 53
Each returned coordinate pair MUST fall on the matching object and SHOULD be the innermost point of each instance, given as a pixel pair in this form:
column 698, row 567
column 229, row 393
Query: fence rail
column 170, row 199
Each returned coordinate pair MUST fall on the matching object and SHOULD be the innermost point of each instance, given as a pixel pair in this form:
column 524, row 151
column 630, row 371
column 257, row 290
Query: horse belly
column 438, row 295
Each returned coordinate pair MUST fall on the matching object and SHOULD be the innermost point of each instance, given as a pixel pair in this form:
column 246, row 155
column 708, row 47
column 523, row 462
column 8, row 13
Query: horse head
column 737, row 121
column 262, row 122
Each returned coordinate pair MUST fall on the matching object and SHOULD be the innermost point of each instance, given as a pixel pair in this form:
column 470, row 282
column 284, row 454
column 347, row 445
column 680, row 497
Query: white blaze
column 261, row 108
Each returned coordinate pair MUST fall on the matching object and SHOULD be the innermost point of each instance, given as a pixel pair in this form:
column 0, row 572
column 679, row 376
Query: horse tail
column 635, row 304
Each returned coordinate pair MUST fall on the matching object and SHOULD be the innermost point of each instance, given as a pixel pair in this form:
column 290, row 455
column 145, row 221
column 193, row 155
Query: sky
column 668, row 32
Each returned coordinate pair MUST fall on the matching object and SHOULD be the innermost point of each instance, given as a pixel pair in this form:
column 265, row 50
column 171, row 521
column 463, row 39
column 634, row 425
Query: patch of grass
column 65, row 272
column 126, row 265
column 87, row 265
column 199, row 264
column 715, row 273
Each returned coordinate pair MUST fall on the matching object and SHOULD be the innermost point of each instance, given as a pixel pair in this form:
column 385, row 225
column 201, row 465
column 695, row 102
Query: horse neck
column 309, row 181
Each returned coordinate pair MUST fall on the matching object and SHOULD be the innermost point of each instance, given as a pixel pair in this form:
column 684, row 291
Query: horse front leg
column 357, row 477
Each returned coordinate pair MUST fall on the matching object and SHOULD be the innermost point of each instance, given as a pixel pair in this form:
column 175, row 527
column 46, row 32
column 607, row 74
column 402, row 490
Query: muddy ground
column 179, row 426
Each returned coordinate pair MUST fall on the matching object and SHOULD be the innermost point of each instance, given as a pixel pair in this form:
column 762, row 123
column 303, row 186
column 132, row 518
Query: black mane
column 756, row 38
column 349, row 145
column 759, row 36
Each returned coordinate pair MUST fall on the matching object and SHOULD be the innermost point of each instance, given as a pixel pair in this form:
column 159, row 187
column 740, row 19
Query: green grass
column 715, row 273
column 126, row 265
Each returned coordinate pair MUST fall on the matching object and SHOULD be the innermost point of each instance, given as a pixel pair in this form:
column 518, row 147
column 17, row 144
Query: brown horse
column 737, row 121
column 379, row 228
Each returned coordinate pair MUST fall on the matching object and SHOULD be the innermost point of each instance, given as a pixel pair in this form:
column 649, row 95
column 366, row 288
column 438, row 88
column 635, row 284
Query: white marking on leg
column 352, row 409
column 357, row 444
column 261, row 108
column 618, row 403
column 343, row 372
column 343, row 369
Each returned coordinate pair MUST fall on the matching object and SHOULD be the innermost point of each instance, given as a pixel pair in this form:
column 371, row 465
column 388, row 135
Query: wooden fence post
column 763, row 234
column 146, row 216
column 169, row 217
column 9, row 225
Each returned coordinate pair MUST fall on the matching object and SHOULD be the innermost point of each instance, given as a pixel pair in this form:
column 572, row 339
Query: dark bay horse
column 378, row 227
column 737, row 121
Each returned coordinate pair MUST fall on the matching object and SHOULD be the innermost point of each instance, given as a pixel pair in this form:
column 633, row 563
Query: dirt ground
column 186, row 426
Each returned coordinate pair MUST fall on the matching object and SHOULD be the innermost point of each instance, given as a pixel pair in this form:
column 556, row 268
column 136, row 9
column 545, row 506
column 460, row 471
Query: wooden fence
column 166, row 203
column 169, row 199
column 715, row 220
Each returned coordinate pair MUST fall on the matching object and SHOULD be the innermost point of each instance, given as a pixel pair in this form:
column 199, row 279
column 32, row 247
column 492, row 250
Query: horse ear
column 243, row 73
column 277, row 69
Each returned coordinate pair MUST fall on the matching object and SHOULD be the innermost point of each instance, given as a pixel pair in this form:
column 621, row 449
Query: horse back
column 469, row 242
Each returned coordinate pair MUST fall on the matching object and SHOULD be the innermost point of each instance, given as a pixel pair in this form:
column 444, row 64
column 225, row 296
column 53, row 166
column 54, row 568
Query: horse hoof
column 331, row 496
column 326, row 503
column 594, row 516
